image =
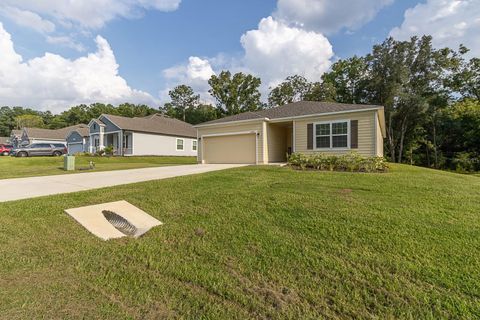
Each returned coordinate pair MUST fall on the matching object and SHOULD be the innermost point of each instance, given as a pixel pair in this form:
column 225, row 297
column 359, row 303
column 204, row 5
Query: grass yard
column 11, row 167
column 254, row 242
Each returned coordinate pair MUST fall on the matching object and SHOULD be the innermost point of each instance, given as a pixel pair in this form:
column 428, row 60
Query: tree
column 183, row 98
column 201, row 113
column 322, row 91
column 235, row 94
column 293, row 89
column 29, row 120
column 349, row 78
column 466, row 78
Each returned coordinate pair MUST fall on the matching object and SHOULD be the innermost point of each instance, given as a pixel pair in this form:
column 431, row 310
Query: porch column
column 101, row 139
column 90, row 144
column 120, row 143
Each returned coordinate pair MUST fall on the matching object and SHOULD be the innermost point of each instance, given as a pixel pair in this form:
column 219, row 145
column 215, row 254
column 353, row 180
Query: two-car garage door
column 238, row 148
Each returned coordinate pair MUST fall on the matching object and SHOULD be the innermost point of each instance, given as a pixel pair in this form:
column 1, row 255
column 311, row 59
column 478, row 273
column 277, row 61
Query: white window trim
column 331, row 135
column 183, row 144
column 195, row 144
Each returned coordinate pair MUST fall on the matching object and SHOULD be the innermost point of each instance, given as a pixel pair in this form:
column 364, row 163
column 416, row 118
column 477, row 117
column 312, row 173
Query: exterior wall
column 367, row 140
column 160, row 145
column 74, row 137
column 109, row 125
column 240, row 127
column 276, row 143
column 94, row 127
column 378, row 133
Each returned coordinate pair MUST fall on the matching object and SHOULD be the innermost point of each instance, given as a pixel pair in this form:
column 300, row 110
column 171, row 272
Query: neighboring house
column 153, row 135
column 269, row 135
column 16, row 137
column 78, row 140
column 40, row 135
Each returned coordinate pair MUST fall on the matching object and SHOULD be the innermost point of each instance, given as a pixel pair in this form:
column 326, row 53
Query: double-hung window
column 331, row 135
column 194, row 145
column 180, row 144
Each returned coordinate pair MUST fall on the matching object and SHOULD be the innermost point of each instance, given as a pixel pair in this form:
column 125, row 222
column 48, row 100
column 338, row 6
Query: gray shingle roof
column 57, row 134
column 296, row 109
column 158, row 124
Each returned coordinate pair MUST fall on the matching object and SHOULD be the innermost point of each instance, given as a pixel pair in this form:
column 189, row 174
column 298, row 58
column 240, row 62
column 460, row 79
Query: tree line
column 431, row 98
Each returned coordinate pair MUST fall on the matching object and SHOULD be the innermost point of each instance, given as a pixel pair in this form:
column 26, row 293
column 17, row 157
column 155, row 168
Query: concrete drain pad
column 114, row 220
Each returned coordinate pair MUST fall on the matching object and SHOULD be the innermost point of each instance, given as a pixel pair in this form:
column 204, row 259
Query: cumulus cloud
column 275, row 51
column 195, row 73
column 90, row 14
column 54, row 83
column 272, row 52
column 328, row 16
column 450, row 22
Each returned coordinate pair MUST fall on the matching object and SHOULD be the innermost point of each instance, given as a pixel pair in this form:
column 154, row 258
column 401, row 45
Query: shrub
column 465, row 162
column 351, row 162
column 108, row 150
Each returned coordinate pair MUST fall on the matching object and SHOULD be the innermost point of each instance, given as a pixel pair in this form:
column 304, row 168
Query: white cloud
column 27, row 19
column 328, row 16
column 195, row 73
column 275, row 51
column 91, row 14
column 54, row 83
column 66, row 41
column 272, row 52
column 450, row 22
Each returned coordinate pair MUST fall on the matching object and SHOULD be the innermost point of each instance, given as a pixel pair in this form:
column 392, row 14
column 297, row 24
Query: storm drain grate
column 114, row 220
column 120, row 223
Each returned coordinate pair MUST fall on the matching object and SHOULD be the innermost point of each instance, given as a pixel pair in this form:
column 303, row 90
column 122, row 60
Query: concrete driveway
column 25, row 188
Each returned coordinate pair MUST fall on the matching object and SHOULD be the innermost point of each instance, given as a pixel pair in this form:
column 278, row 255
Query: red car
column 5, row 149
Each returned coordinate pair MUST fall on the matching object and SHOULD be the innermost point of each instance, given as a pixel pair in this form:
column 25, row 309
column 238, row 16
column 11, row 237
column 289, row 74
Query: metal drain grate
column 120, row 223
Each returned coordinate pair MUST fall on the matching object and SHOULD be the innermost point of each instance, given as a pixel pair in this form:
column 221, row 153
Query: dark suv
column 5, row 149
column 40, row 149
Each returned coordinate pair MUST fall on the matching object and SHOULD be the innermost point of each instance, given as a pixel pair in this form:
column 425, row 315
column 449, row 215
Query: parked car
column 40, row 149
column 5, row 149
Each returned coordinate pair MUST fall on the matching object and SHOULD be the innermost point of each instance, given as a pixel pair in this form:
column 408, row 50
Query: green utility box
column 69, row 163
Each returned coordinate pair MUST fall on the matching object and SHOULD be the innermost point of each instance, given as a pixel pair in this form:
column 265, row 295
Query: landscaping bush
column 351, row 162
column 108, row 150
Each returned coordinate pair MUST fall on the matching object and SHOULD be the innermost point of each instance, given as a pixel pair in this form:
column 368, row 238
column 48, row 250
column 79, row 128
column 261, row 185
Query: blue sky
column 146, row 49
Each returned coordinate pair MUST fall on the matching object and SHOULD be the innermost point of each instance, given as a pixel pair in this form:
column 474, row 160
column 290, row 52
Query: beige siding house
column 267, row 136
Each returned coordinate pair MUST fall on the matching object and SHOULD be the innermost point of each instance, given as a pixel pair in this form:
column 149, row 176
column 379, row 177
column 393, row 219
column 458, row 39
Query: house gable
column 109, row 125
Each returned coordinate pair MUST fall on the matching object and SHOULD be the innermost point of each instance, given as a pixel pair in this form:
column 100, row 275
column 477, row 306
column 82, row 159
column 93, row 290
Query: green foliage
column 294, row 88
column 108, row 150
column 466, row 162
column 235, row 94
column 183, row 98
column 351, row 162
column 29, row 121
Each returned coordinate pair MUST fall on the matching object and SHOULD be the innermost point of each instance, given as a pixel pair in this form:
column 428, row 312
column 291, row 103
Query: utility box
column 69, row 163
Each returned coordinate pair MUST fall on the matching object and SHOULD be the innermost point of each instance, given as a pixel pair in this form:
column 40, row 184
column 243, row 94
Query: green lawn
column 11, row 167
column 254, row 242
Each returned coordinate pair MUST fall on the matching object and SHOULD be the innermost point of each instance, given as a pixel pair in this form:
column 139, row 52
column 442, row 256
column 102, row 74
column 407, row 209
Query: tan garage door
column 230, row 149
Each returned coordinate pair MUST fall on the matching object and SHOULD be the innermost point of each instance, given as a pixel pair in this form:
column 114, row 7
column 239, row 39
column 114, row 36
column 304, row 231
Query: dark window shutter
column 354, row 134
column 310, row 136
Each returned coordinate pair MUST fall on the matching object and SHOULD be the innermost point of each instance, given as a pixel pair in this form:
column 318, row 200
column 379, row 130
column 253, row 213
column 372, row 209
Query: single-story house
column 40, row 135
column 306, row 127
column 155, row 135
column 78, row 140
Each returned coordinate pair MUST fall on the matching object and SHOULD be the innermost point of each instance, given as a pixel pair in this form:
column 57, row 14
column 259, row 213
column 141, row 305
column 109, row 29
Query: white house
column 156, row 135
